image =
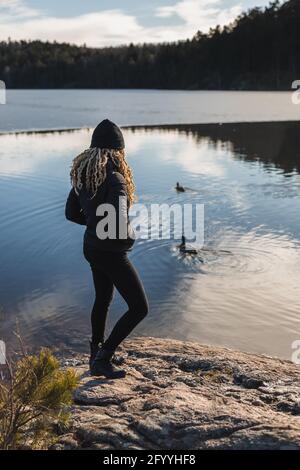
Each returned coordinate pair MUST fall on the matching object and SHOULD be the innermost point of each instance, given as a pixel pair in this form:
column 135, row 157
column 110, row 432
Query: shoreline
column 166, row 126
column 184, row 395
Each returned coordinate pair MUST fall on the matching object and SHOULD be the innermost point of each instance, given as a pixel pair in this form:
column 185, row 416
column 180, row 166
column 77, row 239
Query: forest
column 260, row 50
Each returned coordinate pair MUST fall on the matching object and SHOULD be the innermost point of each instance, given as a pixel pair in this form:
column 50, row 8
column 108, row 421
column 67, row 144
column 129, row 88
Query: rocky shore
column 182, row 395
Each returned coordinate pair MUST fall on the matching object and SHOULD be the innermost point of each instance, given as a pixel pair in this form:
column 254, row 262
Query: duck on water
column 184, row 249
column 179, row 188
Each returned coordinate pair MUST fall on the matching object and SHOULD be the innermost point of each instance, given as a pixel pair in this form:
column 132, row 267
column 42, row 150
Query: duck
column 179, row 188
column 184, row 249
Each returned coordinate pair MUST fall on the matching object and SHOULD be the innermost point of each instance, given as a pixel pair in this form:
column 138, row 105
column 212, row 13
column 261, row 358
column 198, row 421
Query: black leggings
column 111, row 269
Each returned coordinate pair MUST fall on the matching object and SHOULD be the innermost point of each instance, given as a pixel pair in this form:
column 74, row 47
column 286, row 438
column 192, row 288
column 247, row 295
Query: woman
column 101, row 175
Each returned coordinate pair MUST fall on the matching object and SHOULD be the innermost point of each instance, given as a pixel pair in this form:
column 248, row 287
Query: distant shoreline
column 149, row 126
column 253, row 52
column 196, row 90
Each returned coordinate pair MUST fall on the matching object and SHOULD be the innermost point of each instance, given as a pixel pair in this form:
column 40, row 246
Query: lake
column 65, row 109
column 244, row 295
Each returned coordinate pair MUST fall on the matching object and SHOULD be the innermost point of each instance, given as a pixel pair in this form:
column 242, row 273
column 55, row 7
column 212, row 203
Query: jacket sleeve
column 73, row 211
column 117, row 197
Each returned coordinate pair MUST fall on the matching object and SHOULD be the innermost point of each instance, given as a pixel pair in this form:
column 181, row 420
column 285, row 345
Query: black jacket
column 82, row 209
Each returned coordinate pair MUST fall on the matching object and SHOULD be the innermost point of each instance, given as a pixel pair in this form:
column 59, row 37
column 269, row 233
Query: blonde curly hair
column 90, row 166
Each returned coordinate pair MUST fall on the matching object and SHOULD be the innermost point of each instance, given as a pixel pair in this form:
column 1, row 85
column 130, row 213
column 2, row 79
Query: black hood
column 108, row 135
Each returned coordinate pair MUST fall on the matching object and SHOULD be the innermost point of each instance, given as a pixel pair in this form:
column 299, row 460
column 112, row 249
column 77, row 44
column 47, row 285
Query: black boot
column 94, row 347
column 102, row 365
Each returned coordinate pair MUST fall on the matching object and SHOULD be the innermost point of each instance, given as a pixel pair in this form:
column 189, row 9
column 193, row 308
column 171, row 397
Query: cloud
column 16, row 8
column 200, row 14
column 108, row 27
column 111, row 27
column 95, row 29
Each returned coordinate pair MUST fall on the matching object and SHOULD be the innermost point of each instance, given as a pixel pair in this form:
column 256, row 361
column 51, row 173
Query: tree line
column 260, row 50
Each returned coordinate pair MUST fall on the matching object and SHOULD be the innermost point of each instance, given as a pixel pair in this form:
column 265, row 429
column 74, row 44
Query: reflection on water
column 240, row 291
column 66, row 109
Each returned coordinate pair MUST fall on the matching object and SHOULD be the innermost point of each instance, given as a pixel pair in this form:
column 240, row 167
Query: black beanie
column 108, row 135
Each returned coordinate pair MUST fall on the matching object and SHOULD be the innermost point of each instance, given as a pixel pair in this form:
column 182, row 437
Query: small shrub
column 34, row 400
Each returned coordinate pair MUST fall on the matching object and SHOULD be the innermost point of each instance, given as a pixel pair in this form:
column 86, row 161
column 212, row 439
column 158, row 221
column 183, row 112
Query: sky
column 98, row 23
